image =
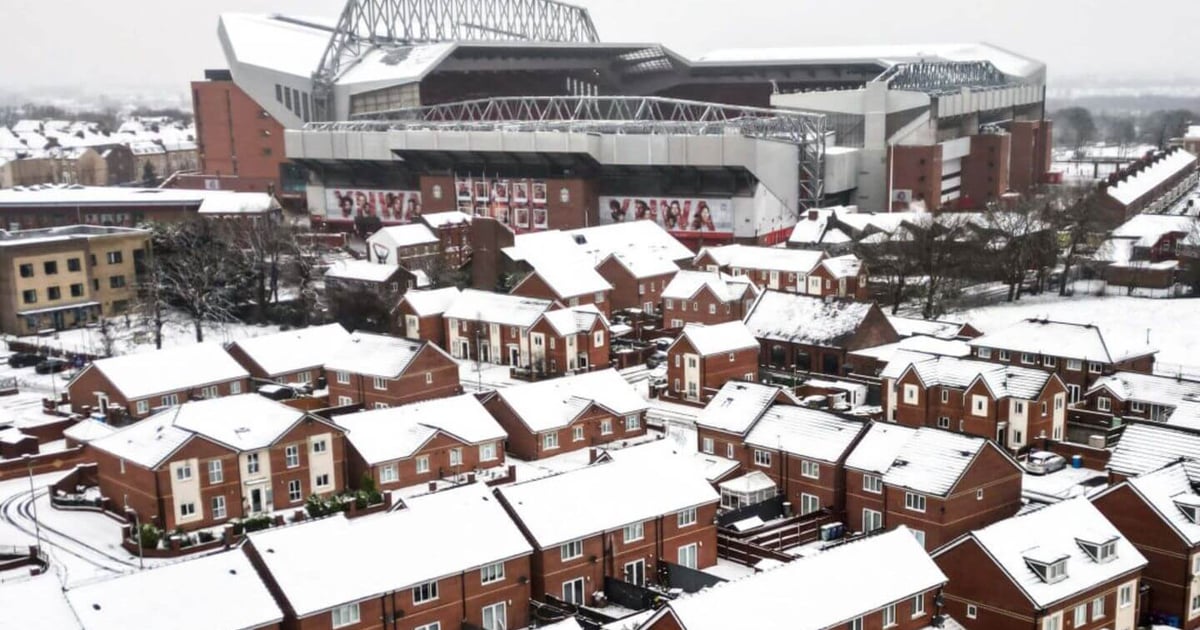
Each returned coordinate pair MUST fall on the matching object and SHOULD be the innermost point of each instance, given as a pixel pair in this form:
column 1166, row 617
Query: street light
column 137, row 530
column 37, row 528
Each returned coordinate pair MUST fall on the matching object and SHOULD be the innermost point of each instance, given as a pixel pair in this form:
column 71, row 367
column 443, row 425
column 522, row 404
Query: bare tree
column 1018, row 238
column 198, row 271
column 888, row 259
column 1077, row 222
column 937, row 247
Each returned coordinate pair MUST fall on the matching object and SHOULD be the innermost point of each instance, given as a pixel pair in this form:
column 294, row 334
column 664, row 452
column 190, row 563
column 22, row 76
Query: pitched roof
column 87, row 430
column 724, row 287
column 603, row 497
column 246, row 422
column 1136, row 185
column 1051, row 532
column 642, row 264
column 293, row 350
column 1149, row 388
column 1147, row 446
column 383, row 435
column 1003, row 381
column 1085, row 342
column 574, row 320
column 431, row 301
column 497, row 308
column 437, row 220
column 434, row 536
column 811, row 593
column 806, row 320
column 403, row 236
column 361, row 270
column 804, row 432
column 926, row 460
column 847, row 266
column 909, row 326
column 738, row 405
column 566, row 279
column 1164, row 489
column 676, row 450
column 912, row 347
column 377, row 355
column 718, row 338
column 169, row 370
column 226, row 577
column 555, row 402
column 644, row 236
column 799, row 261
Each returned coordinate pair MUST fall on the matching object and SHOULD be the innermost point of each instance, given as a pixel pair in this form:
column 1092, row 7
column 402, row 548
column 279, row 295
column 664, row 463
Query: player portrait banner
column 519, row 203
column 682, row 216
column 390, row 206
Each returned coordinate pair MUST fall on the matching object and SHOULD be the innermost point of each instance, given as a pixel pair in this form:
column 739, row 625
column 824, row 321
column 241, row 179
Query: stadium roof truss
column 938, row 77
column 618, row 115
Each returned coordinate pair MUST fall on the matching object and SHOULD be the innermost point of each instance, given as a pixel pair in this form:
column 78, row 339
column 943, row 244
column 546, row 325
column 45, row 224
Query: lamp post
column 137, row 531
column 37, row 528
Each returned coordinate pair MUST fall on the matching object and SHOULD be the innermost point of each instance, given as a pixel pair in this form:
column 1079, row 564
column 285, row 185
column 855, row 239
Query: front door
column 256, row 501
column 514, row 356
column 484, row 353
column 464, row 349
column 635, row 572
column 691, row 375
column 583, row 362
column 60, row 321
column 688, row 556
column 774, row 279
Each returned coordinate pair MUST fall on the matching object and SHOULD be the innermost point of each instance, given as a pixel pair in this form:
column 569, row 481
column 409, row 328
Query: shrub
column 149, row 536
column 205, row 536
column 256, row 523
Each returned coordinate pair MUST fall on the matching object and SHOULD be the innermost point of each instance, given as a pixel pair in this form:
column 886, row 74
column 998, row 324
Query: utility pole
column 37, row 528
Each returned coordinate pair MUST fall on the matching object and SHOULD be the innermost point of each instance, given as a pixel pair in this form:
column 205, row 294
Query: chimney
column 812, row 214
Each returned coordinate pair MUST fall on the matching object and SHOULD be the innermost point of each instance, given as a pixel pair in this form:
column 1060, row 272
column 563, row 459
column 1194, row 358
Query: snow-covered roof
column 1138, row 184
column 1145, row 230
column 556, row 402
column 642, row 264
column 804, row 319
column 1165, row 489
column 798, row 261
column 239, row 203
column 75, row 195
column 274, row 43
column 918, row 344
column 431, row 302
column 246, row 422
column 603, row 497
column 292, row 350
column 718, row 338
column 42, row 236
column 926, row 460
column 724, row 287
column 407, row 235
column 1147, row 446
column 677, row 450
column 645, row 237
column 169, row 370
column 1148, row 388
column 847, row 266
column 152, row 598
column 437, row 220
column 566, row 278
column 1053, row 532
column 376, row 355
column 1193, row 132
column 383, row 435
column 909, row 326
column 361, row 270
column 497, row 308
column 574, row 320
column 883, row 569
column 435, row 536
column 739, row 404
column 87, row 430
column 805, row 432
column 1003, row 381
column 1085, row 342
column 752, row 481
column 885, row 55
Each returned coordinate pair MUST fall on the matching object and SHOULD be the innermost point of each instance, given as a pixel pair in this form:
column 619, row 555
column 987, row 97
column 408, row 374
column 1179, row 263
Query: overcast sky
column 166, row 44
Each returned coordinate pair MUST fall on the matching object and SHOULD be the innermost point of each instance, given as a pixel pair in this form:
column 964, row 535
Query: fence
column 684, row 578
column 768, row 510
column 43, row 463
column 748, row 554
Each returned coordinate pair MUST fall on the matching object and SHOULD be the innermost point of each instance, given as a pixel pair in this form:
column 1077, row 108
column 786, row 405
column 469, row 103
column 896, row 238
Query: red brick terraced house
column 1148, row 446
column 812, row 334
column 771, row 268
column 442, row 560
column 704, row 358
column 245, row 600
column 202, row 463
column 842, row 276
column 1009, row 404
column 419, row 313
column 638, row 280
column 492, row 327
column 568, row 283
column 378, row 371
column 139, row 384
column 413, row 444
column 349, row 282
column 884, row 581
column 1059, row 566
column 1134, row 396
column 1159, row 512
column 613, row 519
column 937, row 328
column 722, row 427
column 706, row 297
column 454, row 231
column 561, row 415
column 870, row 362
column 569, row 340
column 292, row 356
column 937, row 483
column 1078, row 353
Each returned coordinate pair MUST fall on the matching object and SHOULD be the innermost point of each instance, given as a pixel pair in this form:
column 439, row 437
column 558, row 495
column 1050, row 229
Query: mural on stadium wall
column 681, row 216
column 518, row 203
column 393, row 207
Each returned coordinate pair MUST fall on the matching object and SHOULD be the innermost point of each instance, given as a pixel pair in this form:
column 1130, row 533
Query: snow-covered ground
column 128, row 337
column 36, row 603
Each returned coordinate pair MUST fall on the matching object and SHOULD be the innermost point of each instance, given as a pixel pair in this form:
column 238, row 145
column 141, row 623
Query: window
column 812, row 470
column 972, row 611
column 707, row 445
column 456, row 457
column 809, row 503
column 343, row 377
column 688, row 556
column 979, row 494
column 729, row 450
column 187, row 509
column 388, row 474
column 683, row 518
column 218, row 507
column 26, row 270
column 319, row 446
column 712, row 309
column 1125, row 596
column 1103, row 403
column 425, row 592
column 889, row 616
column 1094, row 368
column 487, row 452
column 577, row 434
column 422, row 464
column 437, row 625
column 345, row 615
column 598, row 339
column 491, row 573
column 291, row 456
column 910, row 394
column 29, row 296
column 1098, row 608
column 633, row 423
column 50, row 267
column 294, row 492
column 1137, row 407
column 634, row 532
column 669, row 304
column 1045, row 409
column 380, row 383
column 382, row 405
column 1195, row 604
column 984, row 353
column 1080, row 615
column 914, row 501
column 1049, row 362
column 945, row 395
column 1100, row 552
column 216, row 472
column 77, row 289
column 234, row 387
column 345, row 401
column 1053, row 622
column 872, row 520
column 183, row 472
column 115, row 258
column 323, row 480
column 116, row 282
column 550, row 441
column 1004, row 355
column 943, row 422
column 762, row 458
column 495, row 616
column 53, row 293
column 170, row 400
column 919, row 535
column 143, row 406
column 873, row 483
column 572, row 591
column 918, row 605
column 571, row 550
column 856, row 623
column 605, row 426
column 979, row 405
column 1074, row 365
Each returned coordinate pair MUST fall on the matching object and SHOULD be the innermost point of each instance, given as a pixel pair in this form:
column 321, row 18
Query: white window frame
column 979, row 405
column 889, row 616
column 422, row 464
column 319, row 446
column 972, row 611
column 1125, row 596
column 811, row 470
column 706, row 445
column 633, row 422
column 499, row 614
column 187, row 510
column 689, row 551
column 252, row 463
column 762, row 458
column 606, row 426
column 218, row 507
column 346, row 615
column 871, row 520
column 809, row 503
column 1074, row 365
column 1095, row 368
column 1137, row 406
column 570, row 550
column 1052, row 622
column 143, row 406
column 379, row 383
column 295, row 491
column 633, row 532
column 550, row 441
column 456, row 456
column 915, row 502
column 487, row 452
column 1103, row 403
column 945, row 395
column 492, row 573
column 685, row 518
column 1098, row 608
column 323, row 481
column 984, row 353
column 918, row 605
column 873, row 484
column 912, row 395
column 342, row 377
column 425, row 592
column 389, row 474
column 183, row 472
column 291, row 456
column 1080, row 615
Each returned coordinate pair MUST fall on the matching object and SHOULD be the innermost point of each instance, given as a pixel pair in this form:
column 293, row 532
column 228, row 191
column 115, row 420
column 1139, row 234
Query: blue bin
column 1077, row 461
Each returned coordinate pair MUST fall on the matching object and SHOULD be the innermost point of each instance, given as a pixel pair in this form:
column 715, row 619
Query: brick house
column 291, row 356
column 1059, row 566
column 1009, row 404
column 421, row 442
column 1159, row 512
column 492, row 327
column 419, row 313
column 569, row 284
column 842, row 276
column 453, row 229
column 569, row 340
column 638, row 279
column 817, row 588
column 706, row 297
column 561, row 415
column 704, row 358
column 356, row 288
column 771, row 268
column 1146, row 251
column 135, row 385
column 227, row 577
column 812, row 334
column 937, row 483
column 205, row 462
column 1149, row 185
column 936, row 328
column 378, row 371
column 722, row 427
column 1079, row 353
column 1135, row 396
column 424, row 566
column 1148, row 446
column 412, row 246
column 613, row 519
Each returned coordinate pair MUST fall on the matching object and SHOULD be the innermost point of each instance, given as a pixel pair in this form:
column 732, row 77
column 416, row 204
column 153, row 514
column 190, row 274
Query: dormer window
column 1049, row 567
column 1099, row 548
column 1189, row 504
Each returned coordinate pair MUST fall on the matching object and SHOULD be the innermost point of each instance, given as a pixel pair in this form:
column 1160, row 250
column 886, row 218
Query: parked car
column 24, row 359
column 1044, row 462
column 52, row 365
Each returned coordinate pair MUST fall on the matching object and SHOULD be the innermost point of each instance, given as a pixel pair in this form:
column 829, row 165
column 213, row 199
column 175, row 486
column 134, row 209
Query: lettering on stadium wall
column 393, row 207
